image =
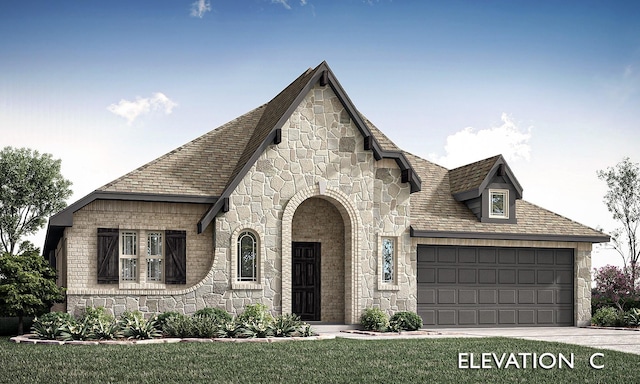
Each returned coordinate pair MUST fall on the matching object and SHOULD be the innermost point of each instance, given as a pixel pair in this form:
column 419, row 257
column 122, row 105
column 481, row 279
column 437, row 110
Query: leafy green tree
column 31, row 189
column 623, row 201
column 27, row 285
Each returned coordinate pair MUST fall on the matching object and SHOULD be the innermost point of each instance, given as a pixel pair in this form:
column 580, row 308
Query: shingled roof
column 436, row 213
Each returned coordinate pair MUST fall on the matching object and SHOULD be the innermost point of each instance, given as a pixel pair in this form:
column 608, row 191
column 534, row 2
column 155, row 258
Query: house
column 304, row 205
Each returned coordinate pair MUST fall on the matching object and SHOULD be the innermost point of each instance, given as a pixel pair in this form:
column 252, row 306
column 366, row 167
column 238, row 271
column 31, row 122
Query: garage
column 495, row 287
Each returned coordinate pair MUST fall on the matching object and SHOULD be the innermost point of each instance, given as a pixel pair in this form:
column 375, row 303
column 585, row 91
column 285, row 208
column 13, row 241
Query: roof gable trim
column 501, row 168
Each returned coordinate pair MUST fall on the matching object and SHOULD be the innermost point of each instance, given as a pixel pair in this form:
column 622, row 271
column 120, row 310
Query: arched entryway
column 317, row 234
column 319, row 263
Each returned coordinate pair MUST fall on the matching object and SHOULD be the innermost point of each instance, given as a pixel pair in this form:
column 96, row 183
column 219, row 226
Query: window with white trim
column 388, row 260
column 128, row 256
column 155, row 256
column 247, row 257
column 499, row 203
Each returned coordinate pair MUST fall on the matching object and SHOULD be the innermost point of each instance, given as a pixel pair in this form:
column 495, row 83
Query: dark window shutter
column 175, row 270
column 108, row 255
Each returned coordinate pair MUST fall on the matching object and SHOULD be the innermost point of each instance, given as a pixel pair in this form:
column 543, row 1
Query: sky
column 107, row 86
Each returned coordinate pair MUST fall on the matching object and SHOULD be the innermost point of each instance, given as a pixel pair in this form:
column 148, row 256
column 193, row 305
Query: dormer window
column 499, row 203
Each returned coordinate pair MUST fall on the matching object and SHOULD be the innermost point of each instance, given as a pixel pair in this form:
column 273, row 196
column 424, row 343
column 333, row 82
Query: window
column 499, row 204
column 388, row 263
column 166, row 257
column 128, row 256
column 247, row 257
column 154, row 256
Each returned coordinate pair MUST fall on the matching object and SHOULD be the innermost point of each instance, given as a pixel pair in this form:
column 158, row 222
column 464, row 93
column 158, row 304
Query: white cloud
column 130, row 110
column 199, row 8
column 303, row 2
column 283, row 2
column 469, row 145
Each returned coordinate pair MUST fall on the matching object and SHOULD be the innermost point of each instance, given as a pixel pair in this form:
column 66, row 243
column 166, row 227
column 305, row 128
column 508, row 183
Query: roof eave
column 508, row 236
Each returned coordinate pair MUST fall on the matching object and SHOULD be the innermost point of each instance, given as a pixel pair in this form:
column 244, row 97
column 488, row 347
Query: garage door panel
column 446, row 255
column 486, row 276
column 482, row 286
column 507, row 296
column 507, row 256
column 507, row 276
column 446, row 296
column 467, row 255
column 507, row 317
column 467, row 317
column 487, row 317
column 488, row 296
column 427, row 275
column 546, row 277
column 466, row 276
column 467, row 296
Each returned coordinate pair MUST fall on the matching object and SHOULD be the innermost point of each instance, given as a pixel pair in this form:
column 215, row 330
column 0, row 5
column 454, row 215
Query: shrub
column 606, row 317
column 614, row 286
column 287, row 325
column 405, row 321
column 219, row 315
column 178, row 325
column 162, row 318
column 255, row 313
column 50, row 325
column 374, row 319
column 632, row 317
column 134, row 326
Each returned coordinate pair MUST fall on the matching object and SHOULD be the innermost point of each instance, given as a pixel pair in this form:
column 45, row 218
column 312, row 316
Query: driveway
column 617, row 340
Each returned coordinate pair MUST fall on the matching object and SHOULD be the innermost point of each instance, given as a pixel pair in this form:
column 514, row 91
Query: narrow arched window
column 247, row 257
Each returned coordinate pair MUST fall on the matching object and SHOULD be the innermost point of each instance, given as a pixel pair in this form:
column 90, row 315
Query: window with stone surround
column 387, row 262
column 247, row 257
column 499, row 203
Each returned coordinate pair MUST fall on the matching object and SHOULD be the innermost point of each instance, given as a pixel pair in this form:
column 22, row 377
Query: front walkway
column 613, row 339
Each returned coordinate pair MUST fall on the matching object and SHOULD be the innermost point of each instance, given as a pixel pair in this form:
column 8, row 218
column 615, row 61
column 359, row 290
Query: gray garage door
column 489, row 287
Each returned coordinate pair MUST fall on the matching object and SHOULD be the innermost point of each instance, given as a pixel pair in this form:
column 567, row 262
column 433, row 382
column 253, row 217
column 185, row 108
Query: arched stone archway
column 350, row 278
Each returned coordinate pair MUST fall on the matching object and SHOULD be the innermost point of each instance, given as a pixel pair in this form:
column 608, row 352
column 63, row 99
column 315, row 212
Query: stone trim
column 352, row 246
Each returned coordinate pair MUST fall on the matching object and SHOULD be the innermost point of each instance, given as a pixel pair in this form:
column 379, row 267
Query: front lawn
column 335, row 361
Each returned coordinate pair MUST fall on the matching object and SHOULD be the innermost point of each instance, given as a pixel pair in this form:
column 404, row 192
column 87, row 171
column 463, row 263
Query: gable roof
column 279, row 109
column 468, row 181
column 436, row 213
column 219, row 159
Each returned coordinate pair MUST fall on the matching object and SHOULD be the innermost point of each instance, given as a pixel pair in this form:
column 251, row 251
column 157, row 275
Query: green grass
column 332, row 361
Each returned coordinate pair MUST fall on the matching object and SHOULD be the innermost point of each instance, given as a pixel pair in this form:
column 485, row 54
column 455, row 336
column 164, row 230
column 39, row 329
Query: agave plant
column 134, row 326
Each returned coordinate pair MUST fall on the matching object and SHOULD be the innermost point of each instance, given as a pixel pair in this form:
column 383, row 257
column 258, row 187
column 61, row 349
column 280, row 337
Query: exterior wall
column 318, row 220
column 81, row 255
column 582, row 265
column 321, row 154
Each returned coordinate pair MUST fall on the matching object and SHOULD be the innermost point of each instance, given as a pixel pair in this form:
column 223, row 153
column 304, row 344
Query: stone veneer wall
column 318, row 220
column 582, row 262
column 321, row 154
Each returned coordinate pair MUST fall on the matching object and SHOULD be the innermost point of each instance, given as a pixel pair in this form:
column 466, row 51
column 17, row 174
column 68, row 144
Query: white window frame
column 505, row 193
column 385, row 284
column 236, row 282
column 155, row 257
column 252, row 277
column 128, row 258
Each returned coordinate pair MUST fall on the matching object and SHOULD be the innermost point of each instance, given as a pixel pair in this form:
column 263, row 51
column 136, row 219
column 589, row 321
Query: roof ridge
column 427, row 160
column 477, row 162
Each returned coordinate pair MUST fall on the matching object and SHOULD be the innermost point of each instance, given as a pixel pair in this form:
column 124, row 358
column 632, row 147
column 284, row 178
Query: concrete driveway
column 617, row 340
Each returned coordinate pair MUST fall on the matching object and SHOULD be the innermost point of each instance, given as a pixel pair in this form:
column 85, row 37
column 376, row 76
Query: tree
column 623, row 201
column 31, row 189
column 27, row 285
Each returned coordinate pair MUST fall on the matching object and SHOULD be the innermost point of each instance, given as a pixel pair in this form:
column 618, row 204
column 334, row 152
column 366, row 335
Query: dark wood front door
column 305, row 287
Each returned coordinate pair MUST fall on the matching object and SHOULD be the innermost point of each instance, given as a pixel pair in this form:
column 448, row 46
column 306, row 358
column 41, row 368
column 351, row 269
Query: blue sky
column 107, row 86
